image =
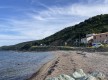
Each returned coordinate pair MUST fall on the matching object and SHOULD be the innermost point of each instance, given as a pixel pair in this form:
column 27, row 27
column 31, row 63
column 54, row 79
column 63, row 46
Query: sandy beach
column 66, row 62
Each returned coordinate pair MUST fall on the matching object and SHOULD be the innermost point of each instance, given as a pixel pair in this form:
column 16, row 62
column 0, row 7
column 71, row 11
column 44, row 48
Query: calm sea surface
column 21, row 65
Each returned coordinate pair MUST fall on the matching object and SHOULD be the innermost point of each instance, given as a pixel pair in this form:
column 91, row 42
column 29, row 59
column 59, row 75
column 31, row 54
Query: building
column 88, row 38
column 95, row 38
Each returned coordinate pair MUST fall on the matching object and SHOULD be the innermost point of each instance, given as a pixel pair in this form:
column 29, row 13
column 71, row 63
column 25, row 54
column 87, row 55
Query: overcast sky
column 25, row 20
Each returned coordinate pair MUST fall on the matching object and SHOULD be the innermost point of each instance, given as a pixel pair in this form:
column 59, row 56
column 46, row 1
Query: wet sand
column 66, row 62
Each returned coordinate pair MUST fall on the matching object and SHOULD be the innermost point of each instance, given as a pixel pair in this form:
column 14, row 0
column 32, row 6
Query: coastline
column 45, row 69
column 66, row 62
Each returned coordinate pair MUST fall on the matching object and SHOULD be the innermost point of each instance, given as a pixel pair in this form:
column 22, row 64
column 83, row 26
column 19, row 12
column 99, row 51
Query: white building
column 96, row 38
column 88, row 38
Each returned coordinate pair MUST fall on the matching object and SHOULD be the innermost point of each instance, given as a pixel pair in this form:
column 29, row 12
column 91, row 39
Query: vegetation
column 71, row 35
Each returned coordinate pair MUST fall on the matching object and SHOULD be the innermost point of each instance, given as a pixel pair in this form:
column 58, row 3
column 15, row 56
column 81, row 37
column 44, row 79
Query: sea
column 21, row 65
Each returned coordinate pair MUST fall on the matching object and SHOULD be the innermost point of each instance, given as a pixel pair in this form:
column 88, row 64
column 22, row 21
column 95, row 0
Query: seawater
column 21, row 65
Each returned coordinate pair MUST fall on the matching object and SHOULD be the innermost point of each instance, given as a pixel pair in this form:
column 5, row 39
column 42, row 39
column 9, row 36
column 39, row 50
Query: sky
column 27, row 20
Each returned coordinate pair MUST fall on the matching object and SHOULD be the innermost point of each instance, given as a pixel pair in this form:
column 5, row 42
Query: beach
column 66, row 62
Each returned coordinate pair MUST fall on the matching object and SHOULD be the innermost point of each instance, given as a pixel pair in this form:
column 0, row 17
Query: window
column 94, row 37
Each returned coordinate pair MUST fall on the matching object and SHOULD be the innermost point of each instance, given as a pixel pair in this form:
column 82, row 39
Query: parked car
column 97, row 45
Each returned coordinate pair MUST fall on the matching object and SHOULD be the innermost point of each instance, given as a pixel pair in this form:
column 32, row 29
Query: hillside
column 96, row 24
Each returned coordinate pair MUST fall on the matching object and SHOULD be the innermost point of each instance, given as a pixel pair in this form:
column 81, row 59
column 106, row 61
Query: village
column 96, row 40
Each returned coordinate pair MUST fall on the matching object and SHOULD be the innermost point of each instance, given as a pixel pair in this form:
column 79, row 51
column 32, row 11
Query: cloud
column 42, row 23
column 65, row 13
column 76, row 10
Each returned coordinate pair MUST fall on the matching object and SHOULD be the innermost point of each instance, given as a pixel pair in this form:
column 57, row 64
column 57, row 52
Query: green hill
column 96, row 24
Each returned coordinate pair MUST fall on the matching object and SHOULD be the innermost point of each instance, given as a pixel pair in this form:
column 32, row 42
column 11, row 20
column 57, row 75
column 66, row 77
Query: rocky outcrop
column 80, row 75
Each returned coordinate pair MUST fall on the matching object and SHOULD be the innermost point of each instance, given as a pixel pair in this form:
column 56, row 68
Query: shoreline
column 45, row 67
column 66, row 62
column 38, row 73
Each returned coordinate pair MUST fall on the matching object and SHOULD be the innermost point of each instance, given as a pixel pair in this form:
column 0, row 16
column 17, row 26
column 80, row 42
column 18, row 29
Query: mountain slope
column 96, row 24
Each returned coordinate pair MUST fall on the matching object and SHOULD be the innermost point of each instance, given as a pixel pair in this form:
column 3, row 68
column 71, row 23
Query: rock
column 52, row 78
column 82, row 78
column 65, row 77
column 78, row 74
column 98, row 75
column 62, row 77
column 90, row 77
column 101, row 76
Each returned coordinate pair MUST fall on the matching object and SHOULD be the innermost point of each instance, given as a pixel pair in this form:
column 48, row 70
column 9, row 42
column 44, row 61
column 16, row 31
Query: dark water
column 21, row 65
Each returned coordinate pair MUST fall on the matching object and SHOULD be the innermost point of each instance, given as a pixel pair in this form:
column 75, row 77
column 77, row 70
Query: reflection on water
column 21, row 65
